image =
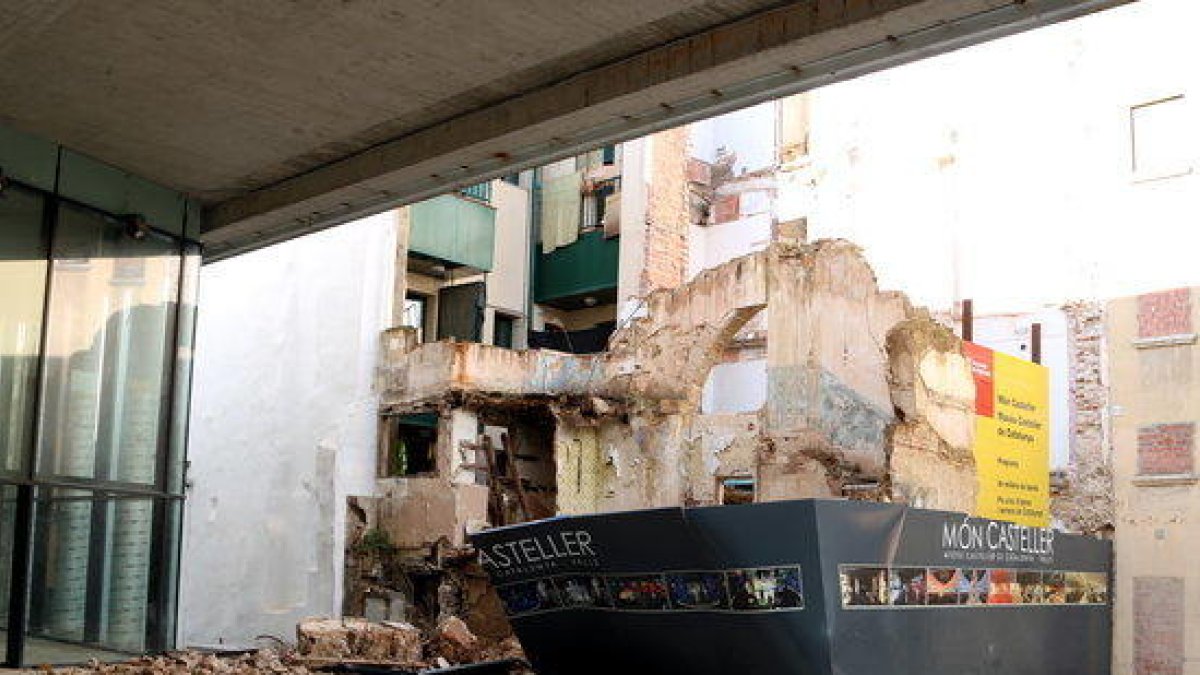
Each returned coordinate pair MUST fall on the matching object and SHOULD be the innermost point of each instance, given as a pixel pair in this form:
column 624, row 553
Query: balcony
column 455, row 231
column 414, row 373
column 589, row 267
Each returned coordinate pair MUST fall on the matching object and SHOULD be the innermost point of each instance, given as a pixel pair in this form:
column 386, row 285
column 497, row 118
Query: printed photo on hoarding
column 582, row 591
column 1087, row 588
column 942, row 586
column 639, row 591
column 766, row 588
column 1002, row 589
column 864, row 586
column 697, row 590
column 906, row 586
column 529, row 596
column 1030, row 586
column 973, row 587
column 1054, row 588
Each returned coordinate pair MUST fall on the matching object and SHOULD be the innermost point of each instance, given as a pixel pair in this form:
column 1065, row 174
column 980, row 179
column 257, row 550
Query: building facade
column 1151, row 343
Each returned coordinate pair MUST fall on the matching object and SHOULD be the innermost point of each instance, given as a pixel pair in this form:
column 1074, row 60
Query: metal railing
column 481, row 191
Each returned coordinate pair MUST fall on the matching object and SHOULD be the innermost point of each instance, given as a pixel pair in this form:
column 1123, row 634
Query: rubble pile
column 396, row 642
column 182, row 663
column 340, row 639
column 324, row 643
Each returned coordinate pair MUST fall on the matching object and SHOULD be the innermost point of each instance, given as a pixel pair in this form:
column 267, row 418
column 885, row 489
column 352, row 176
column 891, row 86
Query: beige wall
column 1156, row 533
column 508, row 282
column 635, row 177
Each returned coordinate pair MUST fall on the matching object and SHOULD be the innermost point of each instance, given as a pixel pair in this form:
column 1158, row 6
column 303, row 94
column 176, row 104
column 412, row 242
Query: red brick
column 1165, row 313
column 727, row 208
column 1158, row 625
column 699, row 171
column 668, row 214
column 1166, row 449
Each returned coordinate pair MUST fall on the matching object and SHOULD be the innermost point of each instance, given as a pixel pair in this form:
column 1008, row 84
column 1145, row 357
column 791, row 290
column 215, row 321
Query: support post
column 968, row 320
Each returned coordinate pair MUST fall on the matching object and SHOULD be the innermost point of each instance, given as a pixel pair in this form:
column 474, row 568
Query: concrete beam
column 779, row 52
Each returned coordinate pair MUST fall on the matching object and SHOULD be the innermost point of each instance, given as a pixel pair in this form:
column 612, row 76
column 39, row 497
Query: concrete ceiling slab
column 285, row 116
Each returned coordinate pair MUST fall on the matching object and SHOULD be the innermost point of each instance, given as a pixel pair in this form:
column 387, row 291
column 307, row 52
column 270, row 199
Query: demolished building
column 865, row 397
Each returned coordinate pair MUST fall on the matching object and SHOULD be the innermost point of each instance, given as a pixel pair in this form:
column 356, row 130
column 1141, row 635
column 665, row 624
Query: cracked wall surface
column 861, row 389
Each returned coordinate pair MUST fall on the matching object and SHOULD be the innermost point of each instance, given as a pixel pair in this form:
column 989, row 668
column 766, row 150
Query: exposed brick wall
column 1085, row 504
column 1165, row 313
column 1158, row 625
column 1166, row 448
column 668, row 210
column 727, row 208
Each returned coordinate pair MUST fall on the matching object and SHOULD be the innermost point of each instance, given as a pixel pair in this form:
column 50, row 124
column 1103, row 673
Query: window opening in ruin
column 737, row 380
column 736, row 490
column 411, row 442
column 518, row 454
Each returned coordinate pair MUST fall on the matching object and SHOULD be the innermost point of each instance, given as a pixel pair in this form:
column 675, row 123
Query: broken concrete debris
column 356, row 640
column 331, row 645
column 336, row 639
column 186, row 663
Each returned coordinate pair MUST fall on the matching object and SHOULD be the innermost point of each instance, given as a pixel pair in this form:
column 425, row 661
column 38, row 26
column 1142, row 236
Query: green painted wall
column 590, row 265
column 457, row 230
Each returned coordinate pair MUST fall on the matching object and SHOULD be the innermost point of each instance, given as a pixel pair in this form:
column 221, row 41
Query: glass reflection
column 92, row 569
column 22, row 294
column 109, row 349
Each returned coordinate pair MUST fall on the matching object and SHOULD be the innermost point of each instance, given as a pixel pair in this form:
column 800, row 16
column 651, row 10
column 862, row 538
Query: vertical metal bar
column 968, row 320
column 1036, row 343
column 98, row 569
column 155, row 637
column 22, row 562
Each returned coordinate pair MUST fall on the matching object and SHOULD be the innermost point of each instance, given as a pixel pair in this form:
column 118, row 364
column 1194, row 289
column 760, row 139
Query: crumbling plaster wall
column 843, row 359
column 861, row 390
column 931, row 463
column 826, row 358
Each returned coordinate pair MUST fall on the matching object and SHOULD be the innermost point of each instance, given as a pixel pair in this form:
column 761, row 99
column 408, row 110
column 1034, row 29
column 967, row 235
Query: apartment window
column 411, row 445
column 415, row 308
column 608, row 155
column 1159, row 139
column 503, row 331
column 595, row 203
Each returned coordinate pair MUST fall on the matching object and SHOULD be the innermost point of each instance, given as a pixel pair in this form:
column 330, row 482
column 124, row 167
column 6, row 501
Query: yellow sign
column 1012, row 437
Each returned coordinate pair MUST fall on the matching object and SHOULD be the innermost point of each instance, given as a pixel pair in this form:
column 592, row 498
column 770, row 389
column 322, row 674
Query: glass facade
column 96, row 324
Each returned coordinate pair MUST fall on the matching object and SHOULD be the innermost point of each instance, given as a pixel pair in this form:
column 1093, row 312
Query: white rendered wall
column 283, row 428
column 1003, row 172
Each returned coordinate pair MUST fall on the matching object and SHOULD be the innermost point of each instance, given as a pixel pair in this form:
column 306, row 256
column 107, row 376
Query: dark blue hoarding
column 810, row 586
